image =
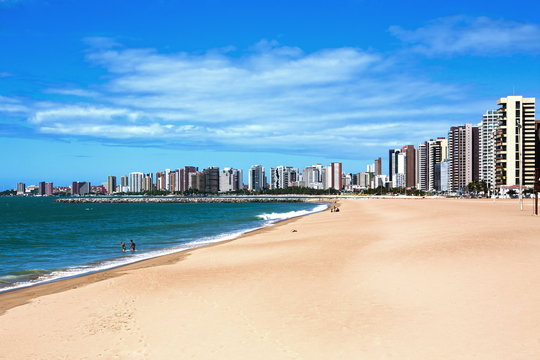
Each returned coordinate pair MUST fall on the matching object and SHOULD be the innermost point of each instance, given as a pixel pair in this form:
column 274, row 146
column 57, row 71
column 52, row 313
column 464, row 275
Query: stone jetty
column 215, row 199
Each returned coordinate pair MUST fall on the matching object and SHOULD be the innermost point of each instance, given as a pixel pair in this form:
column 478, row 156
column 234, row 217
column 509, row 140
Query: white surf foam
column 274, row 217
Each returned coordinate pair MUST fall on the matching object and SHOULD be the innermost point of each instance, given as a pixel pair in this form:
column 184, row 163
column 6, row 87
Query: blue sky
column 96, row 88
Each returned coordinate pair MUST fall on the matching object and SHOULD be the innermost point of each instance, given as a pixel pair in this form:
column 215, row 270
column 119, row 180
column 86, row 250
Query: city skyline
column 86, row 91
column 470, row 154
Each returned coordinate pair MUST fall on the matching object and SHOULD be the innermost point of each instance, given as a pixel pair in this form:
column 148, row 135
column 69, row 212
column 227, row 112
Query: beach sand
column 381, row 279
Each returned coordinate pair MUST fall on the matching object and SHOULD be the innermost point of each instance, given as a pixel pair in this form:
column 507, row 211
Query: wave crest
column 273, row 217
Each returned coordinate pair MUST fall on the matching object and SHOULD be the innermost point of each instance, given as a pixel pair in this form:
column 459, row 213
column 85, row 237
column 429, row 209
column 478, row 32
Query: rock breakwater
column 190, row 199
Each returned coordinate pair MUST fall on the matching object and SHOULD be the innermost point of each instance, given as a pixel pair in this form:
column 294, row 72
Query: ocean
column 43, row 241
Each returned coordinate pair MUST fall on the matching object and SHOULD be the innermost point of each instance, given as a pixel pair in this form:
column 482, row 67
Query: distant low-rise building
column 80, row 188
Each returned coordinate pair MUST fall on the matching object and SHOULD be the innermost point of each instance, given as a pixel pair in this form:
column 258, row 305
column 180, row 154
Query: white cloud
column 12, row 105
column 74, row 92
column 88, row 114
column 273, row 98
column 472, row 36
column 107, row 131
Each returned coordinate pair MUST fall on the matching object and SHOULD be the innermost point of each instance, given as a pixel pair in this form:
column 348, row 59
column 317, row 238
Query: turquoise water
column 41, row 240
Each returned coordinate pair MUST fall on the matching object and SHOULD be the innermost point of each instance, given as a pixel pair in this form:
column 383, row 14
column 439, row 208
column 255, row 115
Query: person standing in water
column 132, row 245
column 123, row 245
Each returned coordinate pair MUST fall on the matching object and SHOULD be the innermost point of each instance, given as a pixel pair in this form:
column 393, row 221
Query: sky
column 96, row 88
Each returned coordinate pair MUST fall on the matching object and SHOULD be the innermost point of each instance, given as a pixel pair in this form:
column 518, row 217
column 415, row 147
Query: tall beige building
column 515, row 146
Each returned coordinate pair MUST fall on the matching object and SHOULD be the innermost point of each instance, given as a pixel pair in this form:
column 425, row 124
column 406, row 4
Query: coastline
column 440, row 278
column 18, row 296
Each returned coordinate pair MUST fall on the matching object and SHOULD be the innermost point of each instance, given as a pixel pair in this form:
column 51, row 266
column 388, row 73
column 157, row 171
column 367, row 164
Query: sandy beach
column 381, row 279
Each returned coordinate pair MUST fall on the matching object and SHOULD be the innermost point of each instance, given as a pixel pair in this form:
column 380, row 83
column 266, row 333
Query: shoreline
column 22, row 295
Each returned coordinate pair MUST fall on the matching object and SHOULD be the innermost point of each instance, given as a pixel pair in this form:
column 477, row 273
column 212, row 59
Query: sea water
column 42, row 241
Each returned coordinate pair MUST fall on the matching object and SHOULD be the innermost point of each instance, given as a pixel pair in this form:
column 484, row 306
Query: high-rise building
column 463, row 156
column 336, row 176
column 363, row 179
column 327, row 177
column 488, row 131
column 515, row 141
column 184, row 177
column 167, row 180
column 256, row 178
column 21, row 188
column 392, row 163
column 441, row 175
column 45, row 188
column 124, row 184
column 148, row 182
column 410, row 165
column 347, row 180
column 282, row 177
column 370, row 168
column 111, row 184
column 378, row 166
column 206, row 181
column 136, row 182
column 41, row 188
column 312, row 177
column 49, row 188
column 437, row 151
column 421, row 167
column 380, row 180
column 74, row 188
column 230, row 180
column 84, row 187
column 400, row 176
column 397, row 161
column 80, row 188
column 172, row 180
column 160, row 181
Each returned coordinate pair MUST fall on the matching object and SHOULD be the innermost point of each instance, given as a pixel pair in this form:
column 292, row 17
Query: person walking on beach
column 132, row 245
column 123, row 245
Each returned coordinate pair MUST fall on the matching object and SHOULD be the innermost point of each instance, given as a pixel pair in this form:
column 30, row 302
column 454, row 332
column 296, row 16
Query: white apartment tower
column 488, row 131
column 230, row 180
column 282, row 177
column 421, row 167
column 136, row 182
column 168, row 179
column 312, row 176
column 515, row 141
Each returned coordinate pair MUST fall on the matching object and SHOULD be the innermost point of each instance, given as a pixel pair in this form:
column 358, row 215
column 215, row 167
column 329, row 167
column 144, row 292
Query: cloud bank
column 461, row 35
column 271, row 98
